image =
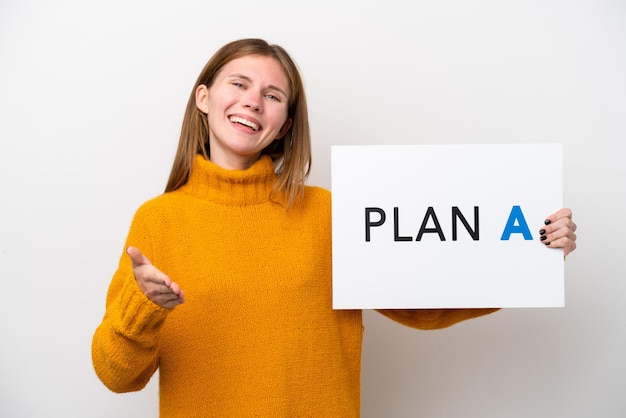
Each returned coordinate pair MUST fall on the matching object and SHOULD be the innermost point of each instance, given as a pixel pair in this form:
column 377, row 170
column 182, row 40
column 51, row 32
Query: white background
column 91, row 99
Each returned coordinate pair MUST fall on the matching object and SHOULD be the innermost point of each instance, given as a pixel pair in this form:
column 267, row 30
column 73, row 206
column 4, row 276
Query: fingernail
column 543, row 238
column 542, row 232
column 547, row 222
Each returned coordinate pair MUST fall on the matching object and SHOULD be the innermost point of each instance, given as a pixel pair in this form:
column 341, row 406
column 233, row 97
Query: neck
column 233, row 186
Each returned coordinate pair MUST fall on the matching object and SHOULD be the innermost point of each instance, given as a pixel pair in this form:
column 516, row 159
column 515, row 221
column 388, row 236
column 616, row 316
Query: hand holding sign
column 560, row 231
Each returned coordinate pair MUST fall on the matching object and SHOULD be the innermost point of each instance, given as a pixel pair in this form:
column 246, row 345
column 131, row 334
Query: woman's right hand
column 155, row 284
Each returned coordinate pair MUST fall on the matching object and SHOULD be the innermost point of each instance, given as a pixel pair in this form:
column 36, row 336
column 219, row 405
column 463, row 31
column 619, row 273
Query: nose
column 253, row 101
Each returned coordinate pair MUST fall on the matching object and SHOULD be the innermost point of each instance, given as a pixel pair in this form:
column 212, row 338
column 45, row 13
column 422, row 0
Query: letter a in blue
column 516, row 225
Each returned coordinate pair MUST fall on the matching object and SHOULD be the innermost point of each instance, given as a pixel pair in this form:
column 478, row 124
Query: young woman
column 250, row 244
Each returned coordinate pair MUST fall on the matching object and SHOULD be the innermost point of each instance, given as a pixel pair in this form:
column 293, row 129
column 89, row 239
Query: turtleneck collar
column 232, row 187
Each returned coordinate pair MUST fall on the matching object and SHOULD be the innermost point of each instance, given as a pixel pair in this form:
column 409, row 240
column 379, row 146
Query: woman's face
column 247, row 109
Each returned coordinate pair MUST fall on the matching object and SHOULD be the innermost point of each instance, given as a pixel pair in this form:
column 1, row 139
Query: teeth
column 244, row 122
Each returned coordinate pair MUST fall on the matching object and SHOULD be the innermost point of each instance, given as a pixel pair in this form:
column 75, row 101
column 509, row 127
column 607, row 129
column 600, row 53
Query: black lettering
column 396, row 227
column 369, row 223
column 430, row 213
column 456, row 214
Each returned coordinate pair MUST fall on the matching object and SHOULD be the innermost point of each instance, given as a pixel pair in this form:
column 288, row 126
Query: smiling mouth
column 245, row 122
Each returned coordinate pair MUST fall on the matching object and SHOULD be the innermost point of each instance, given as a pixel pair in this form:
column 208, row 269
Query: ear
column 285, row 128
column 202, row 98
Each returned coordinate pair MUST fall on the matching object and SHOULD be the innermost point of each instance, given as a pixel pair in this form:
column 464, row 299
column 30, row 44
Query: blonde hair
column 291, row 154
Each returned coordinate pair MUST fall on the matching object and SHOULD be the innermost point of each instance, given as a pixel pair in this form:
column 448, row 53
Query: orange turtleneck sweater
column 257, row 335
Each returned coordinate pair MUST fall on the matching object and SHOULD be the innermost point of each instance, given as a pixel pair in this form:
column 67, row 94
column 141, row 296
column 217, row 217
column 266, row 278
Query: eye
column 273, row 97
column 238, row 84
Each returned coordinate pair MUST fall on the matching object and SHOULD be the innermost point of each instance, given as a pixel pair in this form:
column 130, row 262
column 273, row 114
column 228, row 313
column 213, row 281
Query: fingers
column 568, row 245
column 136, row 257
column 167, row 295
column 155, row 284
column 561, row 213
column 163, row 294
column 177, row 291
column 559, row 231
column 166, row 299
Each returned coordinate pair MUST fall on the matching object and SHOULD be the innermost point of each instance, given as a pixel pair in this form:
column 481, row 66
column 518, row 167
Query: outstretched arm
column 125, row 346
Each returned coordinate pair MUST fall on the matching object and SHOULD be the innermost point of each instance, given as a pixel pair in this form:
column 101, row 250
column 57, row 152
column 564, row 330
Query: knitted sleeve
column 125, row 344
column 433, row 318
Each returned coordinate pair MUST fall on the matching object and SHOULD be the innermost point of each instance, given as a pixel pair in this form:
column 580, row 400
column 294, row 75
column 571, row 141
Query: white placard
column 445, row 226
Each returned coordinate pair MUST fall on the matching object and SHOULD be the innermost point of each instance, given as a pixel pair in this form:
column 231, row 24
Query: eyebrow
column 271, row 86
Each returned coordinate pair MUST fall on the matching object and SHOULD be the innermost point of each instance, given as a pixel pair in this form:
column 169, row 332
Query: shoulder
column 162, row 205
column 314, row 203
column 317, row 192
column 317, row 196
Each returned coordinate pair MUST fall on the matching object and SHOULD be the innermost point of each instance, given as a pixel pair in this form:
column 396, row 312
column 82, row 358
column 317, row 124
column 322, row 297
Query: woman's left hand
column 560, row 231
